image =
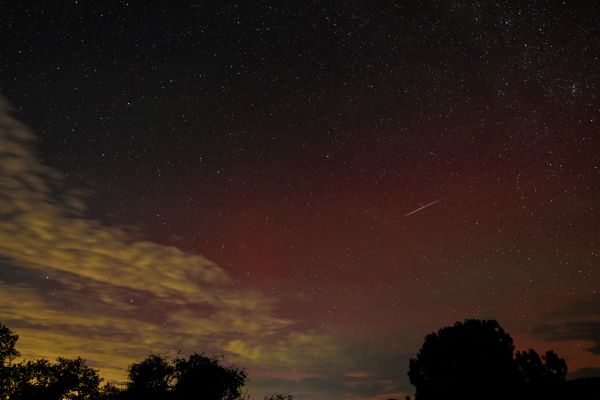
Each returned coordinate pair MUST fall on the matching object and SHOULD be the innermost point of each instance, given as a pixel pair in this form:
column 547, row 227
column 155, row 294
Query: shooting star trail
column 420, row 208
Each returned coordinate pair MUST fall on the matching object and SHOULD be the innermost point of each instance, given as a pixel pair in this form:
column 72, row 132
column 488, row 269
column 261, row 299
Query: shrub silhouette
column 475, row 359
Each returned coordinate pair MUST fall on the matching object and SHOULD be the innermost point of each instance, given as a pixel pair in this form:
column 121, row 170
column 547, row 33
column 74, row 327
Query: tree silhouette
column 8, row 341
column 201, row 374
column 475, row 360
column 8, row 352
column 469, row 360
column 279, row 396
column 41, row 379
column 112, row 392
column 63, row 380
column 542, row 376
column 153, row 378
column 76, row 380
column 547, row 369
column 150, row 378
column 157, row 378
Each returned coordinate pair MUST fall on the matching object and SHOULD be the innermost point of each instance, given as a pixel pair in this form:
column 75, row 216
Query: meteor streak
column 420, row 208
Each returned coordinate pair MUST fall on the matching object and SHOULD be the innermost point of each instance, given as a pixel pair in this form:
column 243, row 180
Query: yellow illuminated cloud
column 74, row 287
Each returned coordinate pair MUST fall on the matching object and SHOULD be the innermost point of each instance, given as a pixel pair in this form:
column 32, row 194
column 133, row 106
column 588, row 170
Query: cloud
column 583, row 308
column 575, row 321
column 72, row 286
column 587, row 331
column 585, row 373
column 358, row 374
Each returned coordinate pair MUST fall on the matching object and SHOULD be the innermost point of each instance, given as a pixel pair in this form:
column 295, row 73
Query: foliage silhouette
column 153, row 378
column 150, row 378
column 157, row 378
column 40, row 379
column 8, row 352
column 8, row 341
column 467, row 360
column 112, row 392
column 65, row 379
column 279, row 396
column 201, row 374
column 547, row 369
column 542, row 376
column 475, row 359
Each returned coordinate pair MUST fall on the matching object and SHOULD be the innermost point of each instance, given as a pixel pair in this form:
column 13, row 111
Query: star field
column 237, row 178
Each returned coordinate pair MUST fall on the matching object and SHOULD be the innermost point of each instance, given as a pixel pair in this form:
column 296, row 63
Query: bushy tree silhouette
column 541, row 376
column 8, row 341
column 547, row 369
column 150, row 378
column 40, row 379
column 65, row 379
column 279, row 396
column 112, row 392
column 199, row 376
column 470, row 360
column 8, row 352
column 153, row 378
column 475, row 359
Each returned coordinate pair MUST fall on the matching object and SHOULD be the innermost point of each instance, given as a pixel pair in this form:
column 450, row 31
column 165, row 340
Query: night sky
column 239, row 178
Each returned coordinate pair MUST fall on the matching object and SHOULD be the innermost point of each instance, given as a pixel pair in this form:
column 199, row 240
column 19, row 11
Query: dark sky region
column 235, row 178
